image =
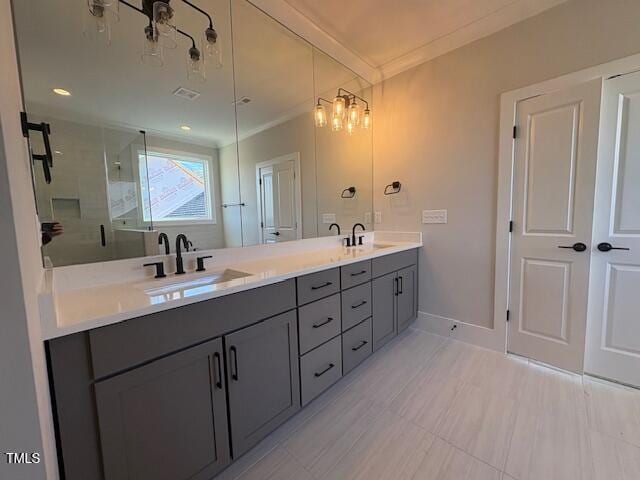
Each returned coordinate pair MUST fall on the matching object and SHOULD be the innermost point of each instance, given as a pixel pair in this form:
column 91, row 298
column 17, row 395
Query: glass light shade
column 336, row 123
column 195, row 66
column 152, row 49
column 212, row 48
column 353, row 113
column 101, row 14
column 320, row 115
column 339, row 107
column 366, row 119
column 351, row 128
column 164, row 25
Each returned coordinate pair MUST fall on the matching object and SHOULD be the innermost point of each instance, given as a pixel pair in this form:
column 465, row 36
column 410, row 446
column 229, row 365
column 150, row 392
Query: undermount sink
column 188, row 283
column 378, row 246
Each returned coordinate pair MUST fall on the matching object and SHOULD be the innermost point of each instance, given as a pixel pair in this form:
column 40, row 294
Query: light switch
column 434, row 216
column 367, row 217
column 328, row 218
column 378, row 217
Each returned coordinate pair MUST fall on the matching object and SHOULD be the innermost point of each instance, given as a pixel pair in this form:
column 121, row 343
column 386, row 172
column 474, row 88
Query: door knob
column 607, row 247
column 578, row 247
column 277, row 234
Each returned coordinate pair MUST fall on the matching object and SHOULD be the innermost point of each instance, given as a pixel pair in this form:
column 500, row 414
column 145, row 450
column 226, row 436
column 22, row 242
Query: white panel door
column 554, row 181
column 279, row 203
column 613, row 339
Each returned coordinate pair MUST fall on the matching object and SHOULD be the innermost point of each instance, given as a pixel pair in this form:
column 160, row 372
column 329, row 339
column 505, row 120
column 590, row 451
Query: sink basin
column 378, row 246
column 190, row 285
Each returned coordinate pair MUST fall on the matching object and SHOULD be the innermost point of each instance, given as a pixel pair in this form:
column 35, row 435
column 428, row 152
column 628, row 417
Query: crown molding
column 299, row 24
column 483, row 27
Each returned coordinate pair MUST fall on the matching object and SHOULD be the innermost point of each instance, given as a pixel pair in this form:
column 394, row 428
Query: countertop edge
column 51, row 330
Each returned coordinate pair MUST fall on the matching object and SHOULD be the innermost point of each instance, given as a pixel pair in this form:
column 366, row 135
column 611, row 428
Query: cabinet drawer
column 390, row 263
column 356, row 305
column 318, row 285
column 356, row 346
column 320, row 368
column 355, row 274
column 318, row 322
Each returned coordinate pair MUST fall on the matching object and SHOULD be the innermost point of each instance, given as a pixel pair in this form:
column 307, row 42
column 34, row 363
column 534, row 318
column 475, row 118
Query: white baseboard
column 463, row 332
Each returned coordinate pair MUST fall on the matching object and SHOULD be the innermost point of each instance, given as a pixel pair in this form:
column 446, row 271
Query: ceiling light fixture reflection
column 62, row 92
column 161, row 32
column 345, row 109
column 186, row 128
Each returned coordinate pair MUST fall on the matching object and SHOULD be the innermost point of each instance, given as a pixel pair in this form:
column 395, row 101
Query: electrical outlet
column 378, row 217
column 328, row 218
column 434, row 216
column 367, row 217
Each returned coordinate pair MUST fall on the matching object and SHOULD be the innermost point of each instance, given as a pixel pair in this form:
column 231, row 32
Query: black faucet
column 163, row 238
column 179, row 265
column 334, row 225
column 353, row 233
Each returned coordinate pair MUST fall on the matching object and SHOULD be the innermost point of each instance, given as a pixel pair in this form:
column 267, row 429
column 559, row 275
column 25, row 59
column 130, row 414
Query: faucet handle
column 348, row 240
column 159, row 268
column 360, row 240
column 200, row 263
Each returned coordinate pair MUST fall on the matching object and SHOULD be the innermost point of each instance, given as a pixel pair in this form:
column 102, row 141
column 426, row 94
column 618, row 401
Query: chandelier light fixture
column 161, row 33
column 346, row 112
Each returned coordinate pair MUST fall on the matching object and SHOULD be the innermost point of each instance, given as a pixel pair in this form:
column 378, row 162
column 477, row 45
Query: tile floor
column 425, row 407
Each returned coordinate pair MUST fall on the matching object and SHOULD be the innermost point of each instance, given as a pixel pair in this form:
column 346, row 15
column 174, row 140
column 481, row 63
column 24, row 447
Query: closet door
column 613, row 340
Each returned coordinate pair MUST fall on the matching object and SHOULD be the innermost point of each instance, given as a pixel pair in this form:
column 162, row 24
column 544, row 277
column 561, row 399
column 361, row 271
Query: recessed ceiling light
column 62, row 91
column 57, row 152
column 186, row 128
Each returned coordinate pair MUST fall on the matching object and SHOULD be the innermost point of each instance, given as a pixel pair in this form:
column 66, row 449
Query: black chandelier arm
column 324, row 100
column 137, row 9
column 195, row 7
column 340, row 89
column 182, row 32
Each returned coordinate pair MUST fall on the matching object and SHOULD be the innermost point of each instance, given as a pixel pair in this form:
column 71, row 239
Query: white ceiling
column 392, row 36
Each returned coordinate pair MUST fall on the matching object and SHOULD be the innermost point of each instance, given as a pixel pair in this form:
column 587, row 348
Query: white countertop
column 70, row 310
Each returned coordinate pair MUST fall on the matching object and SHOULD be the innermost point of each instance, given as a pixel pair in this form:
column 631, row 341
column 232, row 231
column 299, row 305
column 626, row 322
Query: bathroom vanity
column 181, row 392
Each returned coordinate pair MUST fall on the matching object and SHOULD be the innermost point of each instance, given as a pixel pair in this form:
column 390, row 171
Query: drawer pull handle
column 318, row 287
column 362, row 344
column 358, row 273
column 217, row 372
column 364, row 302
column 318, row 325
column 234, row 365
column 319, row 374
column 401, row 290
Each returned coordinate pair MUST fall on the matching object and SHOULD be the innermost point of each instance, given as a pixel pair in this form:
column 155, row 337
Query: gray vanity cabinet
column 406, row 299
column 264, row 384
column 167, row 419
column 394, row 295
column 384, row 309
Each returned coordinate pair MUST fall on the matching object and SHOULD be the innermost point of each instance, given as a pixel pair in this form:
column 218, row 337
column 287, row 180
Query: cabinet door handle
column 363, row 302
column 401, row 285
column 322, row 324
column 234, row 363
column 358, row 273
column 362, row 344
column 395, row 291
column 217, row 371
column 319, row 374
column 318, row 287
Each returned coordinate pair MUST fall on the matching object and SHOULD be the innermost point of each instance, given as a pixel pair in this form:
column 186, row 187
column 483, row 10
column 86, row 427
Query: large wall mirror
column 162, row 119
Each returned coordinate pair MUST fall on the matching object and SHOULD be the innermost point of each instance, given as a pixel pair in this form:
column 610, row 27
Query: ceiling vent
column 242, row 101
column 185, row 93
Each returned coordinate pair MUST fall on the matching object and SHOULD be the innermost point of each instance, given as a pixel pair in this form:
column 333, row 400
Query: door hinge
column 261, row 224
column 508, row 315
column 515, row 131
column 510, row 226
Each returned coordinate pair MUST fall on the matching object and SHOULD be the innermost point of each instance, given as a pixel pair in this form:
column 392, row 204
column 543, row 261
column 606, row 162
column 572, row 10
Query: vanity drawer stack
column 334, row 324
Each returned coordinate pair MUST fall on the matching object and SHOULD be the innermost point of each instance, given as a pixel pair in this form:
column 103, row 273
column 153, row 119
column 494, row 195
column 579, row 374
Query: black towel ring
column 393, row 188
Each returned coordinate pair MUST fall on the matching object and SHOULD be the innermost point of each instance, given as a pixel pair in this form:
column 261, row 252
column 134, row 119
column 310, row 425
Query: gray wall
column 436, row 130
